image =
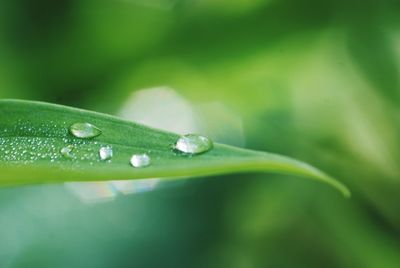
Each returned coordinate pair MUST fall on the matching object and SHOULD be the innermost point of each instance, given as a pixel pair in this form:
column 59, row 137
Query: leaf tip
column 346, row 192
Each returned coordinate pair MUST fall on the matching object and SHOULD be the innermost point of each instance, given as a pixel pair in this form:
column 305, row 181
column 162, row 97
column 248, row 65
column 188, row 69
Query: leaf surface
column 32, row 135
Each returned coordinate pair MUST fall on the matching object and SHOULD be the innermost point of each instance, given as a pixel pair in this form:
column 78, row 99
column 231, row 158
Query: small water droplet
column 193, row 144
column 105, row 153
column 84, row 130
column 68, row 151
column 140, row 160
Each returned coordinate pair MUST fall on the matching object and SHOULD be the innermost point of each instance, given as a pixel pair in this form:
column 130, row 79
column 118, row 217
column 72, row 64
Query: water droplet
column 68, row 151
column 84, row 130
column 140, row 160
column 105, row 153
column 193, row 144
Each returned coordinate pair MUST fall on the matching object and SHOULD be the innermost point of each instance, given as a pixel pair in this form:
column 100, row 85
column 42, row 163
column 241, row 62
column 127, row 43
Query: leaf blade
column 34, row 132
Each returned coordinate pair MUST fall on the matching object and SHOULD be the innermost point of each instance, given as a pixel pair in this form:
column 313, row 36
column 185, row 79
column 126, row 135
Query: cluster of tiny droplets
column 42, row 142
column 28, row 149
column 48, row 130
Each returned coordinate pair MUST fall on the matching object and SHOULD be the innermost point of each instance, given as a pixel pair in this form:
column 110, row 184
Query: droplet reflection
column 106, row 153
column 84, row 130
column 140, row 160
column 67, row 151
column 193, row 144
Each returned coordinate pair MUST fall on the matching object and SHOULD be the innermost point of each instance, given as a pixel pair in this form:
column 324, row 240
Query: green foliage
column 33, row 135
column 314, row 79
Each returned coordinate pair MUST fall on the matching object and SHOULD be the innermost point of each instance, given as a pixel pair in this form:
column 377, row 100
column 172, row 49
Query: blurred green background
column 318, row 80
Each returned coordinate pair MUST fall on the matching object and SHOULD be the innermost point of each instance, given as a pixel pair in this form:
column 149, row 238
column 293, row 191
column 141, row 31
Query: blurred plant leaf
column 372, row 52
column 32, row 135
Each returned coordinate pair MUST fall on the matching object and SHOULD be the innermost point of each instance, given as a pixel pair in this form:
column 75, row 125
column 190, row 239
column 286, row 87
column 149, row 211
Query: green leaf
column 33, row 134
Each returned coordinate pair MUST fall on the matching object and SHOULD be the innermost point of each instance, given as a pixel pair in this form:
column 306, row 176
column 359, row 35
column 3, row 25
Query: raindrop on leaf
column 105, row 153
column 84, row 130
column 193, row 144
column 140, row 160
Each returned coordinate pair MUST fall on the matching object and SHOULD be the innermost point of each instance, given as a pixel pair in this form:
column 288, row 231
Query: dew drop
column 140, row 160
column 105, row 153
column 193, row 144
column 84, row 130
column 67, row 151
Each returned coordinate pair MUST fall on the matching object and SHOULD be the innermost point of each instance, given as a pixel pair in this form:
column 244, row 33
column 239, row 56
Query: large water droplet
column 193, row 144
column 84, row 130
column 140, row 160
column 105, row 153
column 68, row 151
